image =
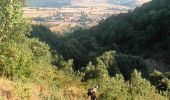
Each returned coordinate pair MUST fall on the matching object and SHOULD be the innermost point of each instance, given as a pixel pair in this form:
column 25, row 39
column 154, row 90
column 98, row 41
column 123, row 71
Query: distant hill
column 128, row 2
column 48, row 3
column 57, row 3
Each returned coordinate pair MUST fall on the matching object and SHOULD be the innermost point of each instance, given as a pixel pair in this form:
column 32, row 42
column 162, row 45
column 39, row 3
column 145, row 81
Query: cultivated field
column 61, row 19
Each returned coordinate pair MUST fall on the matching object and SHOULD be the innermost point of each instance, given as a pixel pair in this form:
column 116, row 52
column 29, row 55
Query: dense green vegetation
column 27, row 61
column 143, row 32
column 111, row 55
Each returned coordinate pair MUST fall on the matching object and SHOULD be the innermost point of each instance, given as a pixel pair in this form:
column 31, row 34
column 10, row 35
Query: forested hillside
column 36, row 64
column 139, row 39
column 143, row 32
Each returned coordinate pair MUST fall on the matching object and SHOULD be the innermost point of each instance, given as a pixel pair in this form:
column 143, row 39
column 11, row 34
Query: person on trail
column 92, row 93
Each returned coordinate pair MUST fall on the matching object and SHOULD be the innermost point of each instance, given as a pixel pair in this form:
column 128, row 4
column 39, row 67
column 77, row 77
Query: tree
column 13, row 24
column 18, row 53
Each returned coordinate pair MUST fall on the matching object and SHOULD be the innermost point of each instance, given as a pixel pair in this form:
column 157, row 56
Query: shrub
column 160, row 80
column 127, row 63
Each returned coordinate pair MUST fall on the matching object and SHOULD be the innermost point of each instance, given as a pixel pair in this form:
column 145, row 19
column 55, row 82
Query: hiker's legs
column 88, row 95
column 93, row 98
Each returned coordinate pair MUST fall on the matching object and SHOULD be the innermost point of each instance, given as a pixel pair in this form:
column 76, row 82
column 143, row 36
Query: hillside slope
column 120, row 44
column 144, row 32
column 31, row 70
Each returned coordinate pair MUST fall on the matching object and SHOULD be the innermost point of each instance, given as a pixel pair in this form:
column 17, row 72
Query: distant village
column 64, row 18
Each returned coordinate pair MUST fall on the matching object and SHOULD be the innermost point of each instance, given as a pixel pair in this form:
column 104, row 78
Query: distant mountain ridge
column 128, row 2
column 57, row 3
column 114, row 1
column 48, row 3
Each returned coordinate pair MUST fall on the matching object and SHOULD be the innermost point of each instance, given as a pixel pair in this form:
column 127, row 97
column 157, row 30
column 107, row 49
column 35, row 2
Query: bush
column 15, row 60
column 127, row 63
column 160, row 80
column 137, row 88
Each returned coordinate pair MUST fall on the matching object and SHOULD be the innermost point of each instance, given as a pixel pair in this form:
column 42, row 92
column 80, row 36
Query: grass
column 56, row 87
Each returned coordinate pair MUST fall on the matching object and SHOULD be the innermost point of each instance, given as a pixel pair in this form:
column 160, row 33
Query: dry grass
column 15, row 90
column 6, row 87
column 10, row 90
